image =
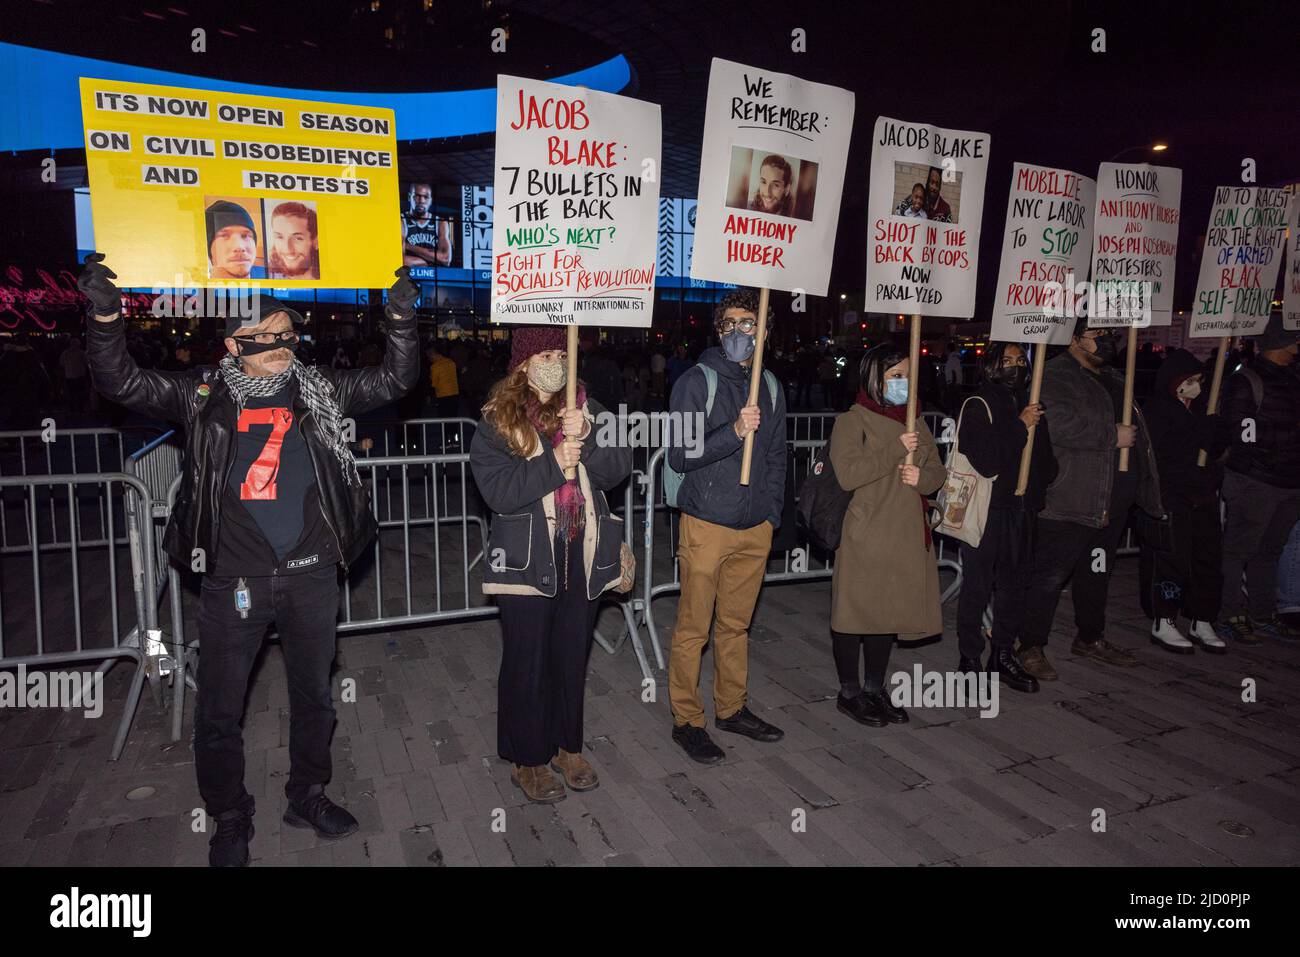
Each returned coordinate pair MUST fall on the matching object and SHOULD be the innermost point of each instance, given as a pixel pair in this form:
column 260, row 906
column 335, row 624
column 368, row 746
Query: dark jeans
column 1188, row 578
column 1001, row 566
column 1260, row 519
column 304, row 609
column 545, row 643
column 1065, row 553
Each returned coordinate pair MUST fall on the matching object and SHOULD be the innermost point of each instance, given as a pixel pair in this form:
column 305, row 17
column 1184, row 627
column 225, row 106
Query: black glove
column 96, row 284
column 403, row 294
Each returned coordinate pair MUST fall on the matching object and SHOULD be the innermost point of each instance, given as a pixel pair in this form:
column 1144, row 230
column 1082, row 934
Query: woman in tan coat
column 886, row 580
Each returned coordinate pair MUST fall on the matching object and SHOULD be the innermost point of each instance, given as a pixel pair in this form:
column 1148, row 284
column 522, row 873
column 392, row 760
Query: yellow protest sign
column 201, row 188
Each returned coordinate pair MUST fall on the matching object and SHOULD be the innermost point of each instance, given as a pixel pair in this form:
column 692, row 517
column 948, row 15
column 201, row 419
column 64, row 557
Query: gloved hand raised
column 402, row 295
column 96, row 284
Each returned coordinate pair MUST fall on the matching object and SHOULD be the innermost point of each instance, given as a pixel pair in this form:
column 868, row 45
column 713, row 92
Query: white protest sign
column 771, row 175
column 1045, row 255
column 1134, row 245
column 1243, row 252
column 1291, row 278
column 575, row 217
column 924, row 209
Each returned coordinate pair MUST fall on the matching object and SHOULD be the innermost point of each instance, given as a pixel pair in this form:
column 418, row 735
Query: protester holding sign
column 886, row 580
column 1088, row 505
column 270, row 506
column 1261, row 423
column 1184, row 577
column 994, row 427
column 726, row 528
column 553, row 549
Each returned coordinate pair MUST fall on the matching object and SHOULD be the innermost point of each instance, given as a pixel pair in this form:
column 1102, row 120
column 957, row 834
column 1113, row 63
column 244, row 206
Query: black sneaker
column 697, row 744
column 750, row 725
column 322, row 815
column 228, row 847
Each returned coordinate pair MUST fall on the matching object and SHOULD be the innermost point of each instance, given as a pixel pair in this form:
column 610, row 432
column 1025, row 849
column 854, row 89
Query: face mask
column 1106, row 350
column 1190, row 389
column 737, row 345
column 549, row 376
column 1013, row 377
column 896, row 391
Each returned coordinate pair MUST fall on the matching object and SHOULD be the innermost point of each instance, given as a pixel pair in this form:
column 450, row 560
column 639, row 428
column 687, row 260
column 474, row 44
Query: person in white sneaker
column 1186, row 576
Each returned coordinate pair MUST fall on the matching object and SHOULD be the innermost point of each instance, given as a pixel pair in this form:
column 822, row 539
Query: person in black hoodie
column 1186, row 577
column 993, row 438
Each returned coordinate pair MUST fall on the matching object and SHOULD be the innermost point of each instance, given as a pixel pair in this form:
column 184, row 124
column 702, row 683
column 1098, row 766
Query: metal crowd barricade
column 59, row 566
column 35, row 452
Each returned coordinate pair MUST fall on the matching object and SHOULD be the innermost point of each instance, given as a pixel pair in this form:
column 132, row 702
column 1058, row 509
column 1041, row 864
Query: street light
column 1154, row 148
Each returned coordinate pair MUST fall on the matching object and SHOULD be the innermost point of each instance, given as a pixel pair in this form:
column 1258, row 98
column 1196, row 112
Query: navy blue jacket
column 711, row 490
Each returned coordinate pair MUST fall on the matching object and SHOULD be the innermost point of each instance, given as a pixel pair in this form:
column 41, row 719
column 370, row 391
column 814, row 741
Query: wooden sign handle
column 1215, row 383
column 755, row 379
column 1035, row 392
column 1130, row 369
column 571, row 385
column 913, row 370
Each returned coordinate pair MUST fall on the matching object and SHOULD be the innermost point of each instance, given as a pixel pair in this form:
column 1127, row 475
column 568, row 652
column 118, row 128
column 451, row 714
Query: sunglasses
column 269, row 338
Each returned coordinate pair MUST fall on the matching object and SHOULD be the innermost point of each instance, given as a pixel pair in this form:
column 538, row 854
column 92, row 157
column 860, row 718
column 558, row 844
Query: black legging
column 875, row 652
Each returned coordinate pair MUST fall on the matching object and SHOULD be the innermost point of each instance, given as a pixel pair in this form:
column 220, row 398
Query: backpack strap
column 772, row 386
column 1256, row 385
column 711, row 385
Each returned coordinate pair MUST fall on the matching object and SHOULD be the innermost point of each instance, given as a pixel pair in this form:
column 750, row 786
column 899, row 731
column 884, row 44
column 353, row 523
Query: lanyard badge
column 243, row 598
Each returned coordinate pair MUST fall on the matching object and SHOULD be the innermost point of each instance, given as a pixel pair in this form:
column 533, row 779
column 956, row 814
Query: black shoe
column 1004, row 663
column 863, row 710
column 968, row 665
column 322, row 815
column 229, row 846
column 697, row 744
column 750, row 725
column 893, row 713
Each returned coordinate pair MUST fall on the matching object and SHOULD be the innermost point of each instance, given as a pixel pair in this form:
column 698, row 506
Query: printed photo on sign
column 232, row 238
column 292, row 238
column 426, row 230
column 922, row 193
column 770, row 183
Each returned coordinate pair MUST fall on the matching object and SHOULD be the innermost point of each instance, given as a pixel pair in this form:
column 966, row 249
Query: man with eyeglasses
column 270, row 507
column 726, row 528
column 1089, row 503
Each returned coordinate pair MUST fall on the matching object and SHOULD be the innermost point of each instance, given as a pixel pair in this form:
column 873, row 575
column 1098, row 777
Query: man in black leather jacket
column 270, row 506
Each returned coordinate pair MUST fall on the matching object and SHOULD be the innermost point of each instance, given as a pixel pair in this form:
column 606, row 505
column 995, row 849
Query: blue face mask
column 896, row 391
column 737, row 345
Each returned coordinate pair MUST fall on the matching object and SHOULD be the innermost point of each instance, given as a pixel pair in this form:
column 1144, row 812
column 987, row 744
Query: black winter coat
column 1177, row 436
column 994, row 448
column 1273, row 455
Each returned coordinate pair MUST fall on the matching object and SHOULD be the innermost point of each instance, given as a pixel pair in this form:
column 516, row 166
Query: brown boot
column 538, row 784
column 1103, row 650
column 578, row 773
column 1035, row 662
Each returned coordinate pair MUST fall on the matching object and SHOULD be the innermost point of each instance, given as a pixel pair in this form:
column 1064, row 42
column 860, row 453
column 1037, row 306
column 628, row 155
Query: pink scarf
column 569, row 501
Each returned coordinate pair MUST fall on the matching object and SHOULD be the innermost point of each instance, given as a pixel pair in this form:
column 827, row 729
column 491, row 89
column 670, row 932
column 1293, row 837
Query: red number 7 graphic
column 259, row 483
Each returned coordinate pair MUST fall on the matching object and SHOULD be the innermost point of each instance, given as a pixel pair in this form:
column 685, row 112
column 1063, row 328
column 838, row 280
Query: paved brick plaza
column 1168, row 750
